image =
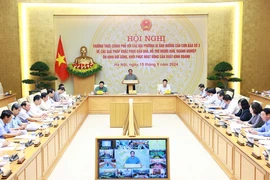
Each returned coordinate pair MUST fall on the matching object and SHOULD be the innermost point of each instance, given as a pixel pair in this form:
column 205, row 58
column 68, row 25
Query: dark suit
column 244, row 114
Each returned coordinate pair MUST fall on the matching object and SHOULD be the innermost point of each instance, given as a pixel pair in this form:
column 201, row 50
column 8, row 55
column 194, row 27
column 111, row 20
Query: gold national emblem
column 146, row 25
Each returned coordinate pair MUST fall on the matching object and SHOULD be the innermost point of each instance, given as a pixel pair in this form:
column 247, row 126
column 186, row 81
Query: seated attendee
column 202, row 90
column 213, row 97
column 265, row 129
column 35, row 110
column 244, row 113
column 220, row 96
column 50, row 101
column 133, row 159
column 25, row 116
column 61, row 85
column 231, row 105
column 101, row 87
column 256, row 119
column 16, row 123
column 5, row 132
column 44, row 105
column 64, row 96
column 165, row 88
column 56, row 96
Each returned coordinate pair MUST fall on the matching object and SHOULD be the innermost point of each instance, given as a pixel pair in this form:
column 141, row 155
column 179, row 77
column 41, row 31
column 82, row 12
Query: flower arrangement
column 83, row 70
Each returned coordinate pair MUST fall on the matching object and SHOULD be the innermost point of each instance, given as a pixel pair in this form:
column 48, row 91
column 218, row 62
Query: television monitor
column 132, row 157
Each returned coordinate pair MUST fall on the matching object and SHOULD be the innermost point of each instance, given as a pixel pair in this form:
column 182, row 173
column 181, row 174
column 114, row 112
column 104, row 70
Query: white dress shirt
column 50, row 101
column 222, row 104
column 213, row 100
column 64, row 95
column 162, row 89
column 233, row 107
column 44, row 105
column 203, row 93
column 35, row 110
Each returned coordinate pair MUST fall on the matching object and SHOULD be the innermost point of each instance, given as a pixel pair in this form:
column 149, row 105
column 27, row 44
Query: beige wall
column 255, row 50
column 9, row 47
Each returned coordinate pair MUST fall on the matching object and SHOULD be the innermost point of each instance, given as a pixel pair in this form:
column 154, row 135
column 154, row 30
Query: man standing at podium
column 131, row 76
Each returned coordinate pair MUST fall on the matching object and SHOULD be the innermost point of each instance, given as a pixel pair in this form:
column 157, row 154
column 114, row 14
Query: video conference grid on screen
column 120, row 159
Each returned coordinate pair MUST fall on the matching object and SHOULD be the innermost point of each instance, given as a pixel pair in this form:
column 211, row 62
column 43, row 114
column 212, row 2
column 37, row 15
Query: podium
column 130, row 84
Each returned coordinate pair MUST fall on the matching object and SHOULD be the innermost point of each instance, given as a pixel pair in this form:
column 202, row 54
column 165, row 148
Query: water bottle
column 6, row 158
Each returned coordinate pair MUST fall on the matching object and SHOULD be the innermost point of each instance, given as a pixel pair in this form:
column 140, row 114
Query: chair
column 43, row 91
column 2, row 109
column 218, row 89
column 258, row 102
column 37, row 93
column 11, row 104
column 30, row 98
column 230, row 92
column 21, row 100
column 247, row 98
column 239, row 96
column 160, row 85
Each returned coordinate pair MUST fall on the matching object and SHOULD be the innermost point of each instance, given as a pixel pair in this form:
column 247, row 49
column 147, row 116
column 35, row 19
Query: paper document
column 237, row 126
column 256, row 137
column 265, row 142
column 26, row 136
column 11, row 146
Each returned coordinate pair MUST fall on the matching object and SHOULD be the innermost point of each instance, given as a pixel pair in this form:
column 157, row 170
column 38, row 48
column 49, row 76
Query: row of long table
column 41, row 160
column 235, row 160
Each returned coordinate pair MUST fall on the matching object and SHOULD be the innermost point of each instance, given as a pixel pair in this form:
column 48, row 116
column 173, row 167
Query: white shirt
column 64, row 95
column 44, row 105
column 162, row 89
column 207, row 97
column 35, row 110
column 50, row 101
column 213, row 100
column 203, row 93
column 232, row 108
column 222, row 104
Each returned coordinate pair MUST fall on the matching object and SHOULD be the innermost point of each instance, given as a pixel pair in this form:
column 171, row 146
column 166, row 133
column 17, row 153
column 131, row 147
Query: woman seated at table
column 256, row 120
column 244, row 113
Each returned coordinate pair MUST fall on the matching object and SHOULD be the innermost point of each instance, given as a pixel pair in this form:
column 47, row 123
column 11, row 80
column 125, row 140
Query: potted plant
column 222, row 75
column 41, row 71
